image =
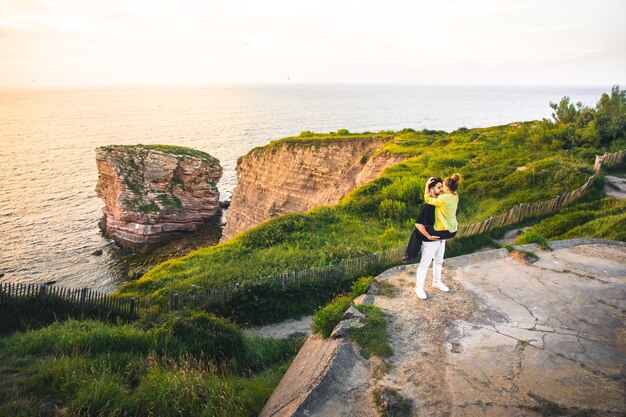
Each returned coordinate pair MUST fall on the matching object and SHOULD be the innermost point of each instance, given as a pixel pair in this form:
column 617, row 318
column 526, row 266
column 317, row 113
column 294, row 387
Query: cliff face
column 154, row 193
column 296, row 177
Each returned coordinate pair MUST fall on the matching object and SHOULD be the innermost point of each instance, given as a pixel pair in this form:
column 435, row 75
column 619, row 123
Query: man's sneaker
column 440, row 286
column 420, row 294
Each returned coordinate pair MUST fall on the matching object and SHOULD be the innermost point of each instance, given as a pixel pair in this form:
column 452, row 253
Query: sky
column 49, row 43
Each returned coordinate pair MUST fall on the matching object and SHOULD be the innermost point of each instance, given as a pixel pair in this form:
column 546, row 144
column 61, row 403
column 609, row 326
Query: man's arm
column 424, row 232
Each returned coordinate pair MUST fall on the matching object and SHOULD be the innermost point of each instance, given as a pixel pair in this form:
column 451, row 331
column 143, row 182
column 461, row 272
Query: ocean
column 49, row 209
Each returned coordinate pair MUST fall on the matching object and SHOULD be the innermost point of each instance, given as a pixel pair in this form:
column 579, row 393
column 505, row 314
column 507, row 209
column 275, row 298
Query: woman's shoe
column 440, row 286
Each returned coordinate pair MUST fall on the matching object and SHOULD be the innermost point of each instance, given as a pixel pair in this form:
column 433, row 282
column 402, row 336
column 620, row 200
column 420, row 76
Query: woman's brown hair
column 452, row 182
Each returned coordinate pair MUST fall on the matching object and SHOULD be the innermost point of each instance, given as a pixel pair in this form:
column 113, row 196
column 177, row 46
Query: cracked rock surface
column 553, row 330
column 508, row 339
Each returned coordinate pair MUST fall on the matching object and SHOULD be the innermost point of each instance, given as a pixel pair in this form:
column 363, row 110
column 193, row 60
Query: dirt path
column 615, row 186
column 284, row 329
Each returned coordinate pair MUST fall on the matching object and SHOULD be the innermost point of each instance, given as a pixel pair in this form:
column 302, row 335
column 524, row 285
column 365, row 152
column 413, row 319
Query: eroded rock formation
column 153, row 193
column 294, row 177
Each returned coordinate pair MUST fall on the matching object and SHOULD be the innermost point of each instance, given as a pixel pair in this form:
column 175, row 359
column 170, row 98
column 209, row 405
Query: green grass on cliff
column 602, row 218
column 379, row 216
column 171, row 149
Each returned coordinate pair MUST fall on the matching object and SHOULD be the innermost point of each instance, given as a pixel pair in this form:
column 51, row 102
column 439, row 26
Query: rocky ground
column 512, row 338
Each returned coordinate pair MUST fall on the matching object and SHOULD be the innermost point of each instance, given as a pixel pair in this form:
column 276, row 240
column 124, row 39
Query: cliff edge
column 295, row 176
column 153, row 193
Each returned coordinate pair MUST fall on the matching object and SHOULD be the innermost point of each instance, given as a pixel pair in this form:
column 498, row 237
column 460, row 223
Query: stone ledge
column 322, row 374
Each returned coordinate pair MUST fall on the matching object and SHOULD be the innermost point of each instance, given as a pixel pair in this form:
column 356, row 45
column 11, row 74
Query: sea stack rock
column 154, row 193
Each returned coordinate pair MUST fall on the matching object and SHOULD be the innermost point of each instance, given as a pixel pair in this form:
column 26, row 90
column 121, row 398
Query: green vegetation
column 327, row 317
column 379, row 215
column 25, row 313
column 150, row 207
column 170, row 200
column 171, row 149
column 533, row 237
column 595, row 217
column 311, row 138
column 187, row 363
column 373, row 337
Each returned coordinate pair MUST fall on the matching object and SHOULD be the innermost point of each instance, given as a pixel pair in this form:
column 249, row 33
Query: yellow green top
column 445, row 211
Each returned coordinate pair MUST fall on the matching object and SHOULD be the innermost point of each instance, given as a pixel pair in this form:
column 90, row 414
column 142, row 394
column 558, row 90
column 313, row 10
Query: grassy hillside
column 380, row 215
column 183, row 363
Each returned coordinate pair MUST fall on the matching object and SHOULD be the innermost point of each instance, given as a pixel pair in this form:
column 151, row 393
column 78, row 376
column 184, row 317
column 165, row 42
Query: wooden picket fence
column 84, row 298
column 368, row 264
column 527, row 210
column 130, row 307
column 81, row 298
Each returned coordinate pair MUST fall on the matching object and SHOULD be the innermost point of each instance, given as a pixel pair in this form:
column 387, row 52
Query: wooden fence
column 80, row 298
column 84, row 298
column 526, row 210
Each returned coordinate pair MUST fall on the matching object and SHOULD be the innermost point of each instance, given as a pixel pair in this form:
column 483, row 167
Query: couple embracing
column 435, row 223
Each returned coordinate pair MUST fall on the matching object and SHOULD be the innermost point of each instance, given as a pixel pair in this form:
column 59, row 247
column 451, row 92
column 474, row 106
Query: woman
column 446, row 204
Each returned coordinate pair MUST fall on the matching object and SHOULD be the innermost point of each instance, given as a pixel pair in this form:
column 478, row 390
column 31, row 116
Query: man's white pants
column 432, row 250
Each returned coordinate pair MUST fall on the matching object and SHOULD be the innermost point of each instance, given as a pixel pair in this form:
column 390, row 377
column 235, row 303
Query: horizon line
column 292, row 84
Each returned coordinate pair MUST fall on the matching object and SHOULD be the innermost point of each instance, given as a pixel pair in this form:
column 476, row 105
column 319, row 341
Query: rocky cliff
column 295, row 176
column 153, row 193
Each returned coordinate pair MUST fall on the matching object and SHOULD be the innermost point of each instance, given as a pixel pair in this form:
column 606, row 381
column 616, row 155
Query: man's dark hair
column 435, row 181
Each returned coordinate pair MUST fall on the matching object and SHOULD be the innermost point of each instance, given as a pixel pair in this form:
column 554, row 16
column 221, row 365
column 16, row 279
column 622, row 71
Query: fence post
column 83, row 298
column 42, row 292
column 132, row 306
column 175, row 302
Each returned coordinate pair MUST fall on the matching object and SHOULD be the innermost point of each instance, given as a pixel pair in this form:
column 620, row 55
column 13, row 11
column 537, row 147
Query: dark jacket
column 427, row 218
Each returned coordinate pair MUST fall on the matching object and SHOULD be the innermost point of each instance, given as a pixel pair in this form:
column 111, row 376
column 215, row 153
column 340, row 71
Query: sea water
column 49, row 209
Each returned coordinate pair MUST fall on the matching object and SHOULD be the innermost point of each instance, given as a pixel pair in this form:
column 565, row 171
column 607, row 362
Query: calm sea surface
column 48, row 206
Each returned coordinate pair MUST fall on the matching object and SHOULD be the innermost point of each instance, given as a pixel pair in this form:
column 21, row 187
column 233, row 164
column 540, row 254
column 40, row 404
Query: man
column 433, row 246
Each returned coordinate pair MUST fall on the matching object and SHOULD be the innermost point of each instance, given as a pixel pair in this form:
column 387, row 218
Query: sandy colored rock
column 296, row 177
column 508, row 339
column 153, row 194
column 327, row 378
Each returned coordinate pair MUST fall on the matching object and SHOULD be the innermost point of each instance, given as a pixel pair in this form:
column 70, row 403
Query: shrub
column 532, row 237
column 208, row 334
column 392, row 210
column 361, row 286
column 326, row 318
